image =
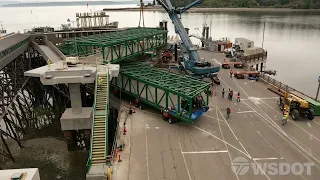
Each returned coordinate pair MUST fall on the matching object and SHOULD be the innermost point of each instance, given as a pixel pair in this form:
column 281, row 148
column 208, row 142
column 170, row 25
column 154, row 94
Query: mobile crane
column 191, row 60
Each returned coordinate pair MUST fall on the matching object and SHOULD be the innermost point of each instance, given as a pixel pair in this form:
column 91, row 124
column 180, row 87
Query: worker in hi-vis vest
column 284, row 119
column 100, row 81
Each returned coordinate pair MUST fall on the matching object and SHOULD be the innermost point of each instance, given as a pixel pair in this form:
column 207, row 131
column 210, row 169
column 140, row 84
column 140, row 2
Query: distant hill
column 7, row 2
column 70, row 3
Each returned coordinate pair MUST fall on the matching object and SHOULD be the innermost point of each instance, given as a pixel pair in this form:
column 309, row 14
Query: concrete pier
column 75, row 96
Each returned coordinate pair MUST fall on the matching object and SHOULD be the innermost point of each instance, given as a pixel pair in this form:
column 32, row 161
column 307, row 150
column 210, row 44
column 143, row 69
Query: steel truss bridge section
column 26, row 105
column 161, row 89
column 11, row 47
column 117, row 46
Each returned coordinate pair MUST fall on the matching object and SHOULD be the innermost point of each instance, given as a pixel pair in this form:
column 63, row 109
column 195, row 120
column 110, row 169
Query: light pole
column 318, row 88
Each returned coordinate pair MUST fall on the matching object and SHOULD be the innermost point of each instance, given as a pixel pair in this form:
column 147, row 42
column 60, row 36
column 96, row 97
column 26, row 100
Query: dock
column 150, row 146
column 207, row 148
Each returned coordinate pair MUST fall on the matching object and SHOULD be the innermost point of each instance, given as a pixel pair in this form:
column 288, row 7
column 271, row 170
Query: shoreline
column 203, row 10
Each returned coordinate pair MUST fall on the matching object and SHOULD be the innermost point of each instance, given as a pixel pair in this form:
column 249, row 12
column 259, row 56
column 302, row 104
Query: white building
column 20, row 174
column 244, row 43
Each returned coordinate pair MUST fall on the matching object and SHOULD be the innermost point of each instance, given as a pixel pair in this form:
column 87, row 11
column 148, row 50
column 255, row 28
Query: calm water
column 291, row 38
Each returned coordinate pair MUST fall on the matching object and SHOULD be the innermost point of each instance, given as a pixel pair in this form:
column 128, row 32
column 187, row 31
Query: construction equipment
column 191, row 60
column 240, row 74
column 295, row 106
column 226, row 65
column 166, row 56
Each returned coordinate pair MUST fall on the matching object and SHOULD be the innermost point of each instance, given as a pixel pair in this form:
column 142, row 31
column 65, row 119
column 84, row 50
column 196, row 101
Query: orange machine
column 240, row 74
column 226, row 65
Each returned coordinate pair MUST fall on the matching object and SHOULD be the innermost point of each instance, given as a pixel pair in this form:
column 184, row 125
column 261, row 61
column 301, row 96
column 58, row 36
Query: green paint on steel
column 184, row 86
column 117, row 46
column 160, row 88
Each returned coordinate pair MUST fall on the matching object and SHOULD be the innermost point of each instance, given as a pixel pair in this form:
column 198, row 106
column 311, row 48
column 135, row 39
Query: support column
column 176, row 52
column 75, row 96
column 257, row 67
column 207, row 32
column 165, row 25
column 203, row 35
column 261, row 67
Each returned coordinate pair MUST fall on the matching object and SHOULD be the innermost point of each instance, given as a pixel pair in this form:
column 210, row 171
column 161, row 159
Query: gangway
column 99, row 133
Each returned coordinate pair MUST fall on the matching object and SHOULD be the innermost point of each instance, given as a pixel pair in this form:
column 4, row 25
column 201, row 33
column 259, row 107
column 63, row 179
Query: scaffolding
column 96, row 19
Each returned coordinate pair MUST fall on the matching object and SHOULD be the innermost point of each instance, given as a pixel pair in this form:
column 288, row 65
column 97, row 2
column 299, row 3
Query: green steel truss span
column 117, row 46
column 160, row 88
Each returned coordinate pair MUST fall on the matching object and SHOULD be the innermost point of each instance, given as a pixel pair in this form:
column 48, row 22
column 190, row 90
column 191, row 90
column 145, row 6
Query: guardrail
column 279, row 84
column 56, row 49
column 107, row 116
column 92, row 125
column 117, row 136
column 254, row 57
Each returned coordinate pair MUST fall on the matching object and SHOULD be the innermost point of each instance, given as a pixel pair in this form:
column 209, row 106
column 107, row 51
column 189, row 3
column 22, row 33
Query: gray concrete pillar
column 75, row 96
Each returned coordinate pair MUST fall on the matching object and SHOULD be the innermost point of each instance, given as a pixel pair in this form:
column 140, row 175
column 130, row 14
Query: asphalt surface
column 206, row 149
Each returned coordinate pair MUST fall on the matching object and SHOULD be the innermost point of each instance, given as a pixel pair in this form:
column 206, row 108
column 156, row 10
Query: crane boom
column 192, row 60
column 179, row 28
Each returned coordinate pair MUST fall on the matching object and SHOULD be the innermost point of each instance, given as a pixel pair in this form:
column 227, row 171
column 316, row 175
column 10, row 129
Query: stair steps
column 98, row 154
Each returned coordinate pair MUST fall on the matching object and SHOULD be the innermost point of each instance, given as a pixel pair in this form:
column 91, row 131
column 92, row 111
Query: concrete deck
column 205, row 149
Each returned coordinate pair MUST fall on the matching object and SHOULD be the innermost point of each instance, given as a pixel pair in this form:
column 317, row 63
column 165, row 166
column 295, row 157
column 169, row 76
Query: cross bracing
column 184, row 86
column 117, row 46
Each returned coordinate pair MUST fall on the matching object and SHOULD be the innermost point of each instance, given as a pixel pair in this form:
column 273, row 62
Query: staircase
column 99, row 141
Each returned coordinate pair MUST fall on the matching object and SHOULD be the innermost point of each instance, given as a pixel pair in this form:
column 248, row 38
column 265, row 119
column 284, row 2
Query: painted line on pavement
column 292, row 122
column 259, row 159
column 225, row 144
column 204, row 152
column 147, row 155
column 185, row 162
column 240, row 112
column 214, row 118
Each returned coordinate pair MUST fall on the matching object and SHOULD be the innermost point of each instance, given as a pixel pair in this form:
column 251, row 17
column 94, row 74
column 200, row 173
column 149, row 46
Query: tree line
column 294, row 4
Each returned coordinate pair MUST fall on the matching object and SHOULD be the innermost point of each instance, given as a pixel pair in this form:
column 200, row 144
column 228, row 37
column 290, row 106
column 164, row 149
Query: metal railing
column 279, row 84
column 107, row 115
column 92, row 125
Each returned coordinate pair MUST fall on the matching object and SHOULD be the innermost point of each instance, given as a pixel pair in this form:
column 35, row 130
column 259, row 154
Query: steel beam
column 117, row 46
column 160, row 89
